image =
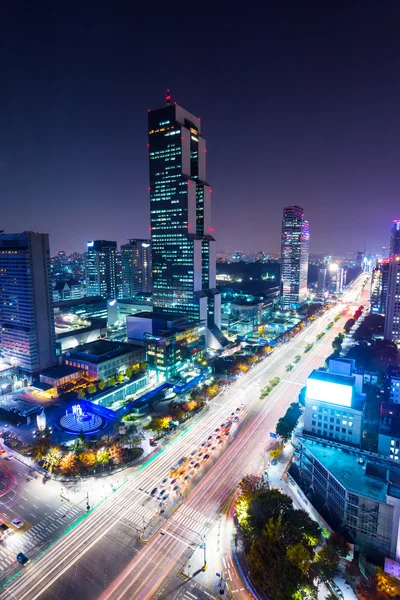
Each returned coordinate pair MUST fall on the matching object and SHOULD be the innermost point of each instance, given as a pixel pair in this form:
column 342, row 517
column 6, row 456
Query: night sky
column 300, row 104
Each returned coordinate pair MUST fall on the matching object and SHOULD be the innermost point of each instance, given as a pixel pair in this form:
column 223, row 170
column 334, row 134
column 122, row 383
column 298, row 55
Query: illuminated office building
column 103, row 269
column 321, row 289
column 379, row 287
column 394, row 249
column 183, row 249
column 26, row 304
column 294, row 257
column 136, row 267
column 392, row 310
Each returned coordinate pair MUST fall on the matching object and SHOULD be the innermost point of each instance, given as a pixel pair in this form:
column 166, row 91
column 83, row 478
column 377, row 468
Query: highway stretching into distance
column 102, row 555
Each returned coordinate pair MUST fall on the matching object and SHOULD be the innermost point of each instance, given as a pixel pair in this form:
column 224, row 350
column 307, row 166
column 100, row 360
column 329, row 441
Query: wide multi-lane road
column 102, row 557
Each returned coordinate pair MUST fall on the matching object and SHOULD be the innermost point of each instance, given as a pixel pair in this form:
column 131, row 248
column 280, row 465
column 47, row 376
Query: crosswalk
column 139, row 516
column 37, row 535
column 192, row 519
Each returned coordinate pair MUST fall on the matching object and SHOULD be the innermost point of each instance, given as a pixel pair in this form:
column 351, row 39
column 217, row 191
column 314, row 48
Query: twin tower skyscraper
column 183, row 248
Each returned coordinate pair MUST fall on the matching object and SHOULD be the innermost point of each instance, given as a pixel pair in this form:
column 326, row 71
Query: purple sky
column 299, row 104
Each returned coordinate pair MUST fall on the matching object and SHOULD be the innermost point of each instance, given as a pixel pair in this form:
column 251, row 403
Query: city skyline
column 75, row 144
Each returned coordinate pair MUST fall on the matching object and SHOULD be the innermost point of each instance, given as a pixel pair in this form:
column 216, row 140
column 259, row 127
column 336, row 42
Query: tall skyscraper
column 394, row 249
column 136, row 267
column 379, row 286
column 103, row 269
column 26, row 304
column 183, row 249
column 294, row 257
column 392, row 313
column 321, row 288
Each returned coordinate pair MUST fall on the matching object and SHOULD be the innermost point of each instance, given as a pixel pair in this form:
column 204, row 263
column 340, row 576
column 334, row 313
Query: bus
column 178, row 465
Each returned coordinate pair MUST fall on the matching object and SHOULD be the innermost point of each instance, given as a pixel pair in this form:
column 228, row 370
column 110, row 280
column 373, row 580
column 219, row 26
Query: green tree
column 112, row 380
column 300, row 557
column 92, row 389
column 326, row 562
column 81, row 394
column 284, row 428
column 339, row 544
column 53, row 458
column 120, row 377
column 102, row 384
column 128, row 372
column 103, row 456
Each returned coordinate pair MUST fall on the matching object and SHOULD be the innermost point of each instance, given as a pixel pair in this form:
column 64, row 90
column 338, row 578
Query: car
column 181, row 473
column 206, row 457
column 200, row 454
column 165, row 480
column 17, row 523
column 218, row 437
column 176, row 489
column 220, row 442
column 232, row 414
column 238, row 409
column 213, row 448
column 197, row 466
column 161, row 494
column 209, row 445
column 192, row 462
column 186, row 478
column 203, row 444
column 209, row 437
column 173, row 481
column 274, row 461
column 21, row 558
column 216, row 431
column 193, row 453
column 154, row 492
column 236, row 419
column 165, row 497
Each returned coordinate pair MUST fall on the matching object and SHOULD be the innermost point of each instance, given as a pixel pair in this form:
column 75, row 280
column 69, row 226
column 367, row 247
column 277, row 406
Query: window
column 337, row 428
column 343, row 429
column 350, row 432
column 332, row 420
column 331, row 427
column 313, row 423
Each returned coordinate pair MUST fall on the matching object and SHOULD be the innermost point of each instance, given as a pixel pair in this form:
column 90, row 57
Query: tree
column 88, row 458
column 249, row 486
column 53, row 458
column 299, row 556
column 284, row 428
column 386, row 584
column 275, row 453
column 81, row 394
column 40, row 448
column 103, row 456
column 188, row 406
column 102, row 384
column 120, row 377
column 327, row 561
column 111, row 380
column 117, row 454
column 159, row 423
column 128, row 372
column 92, row 389
column 339, row 544
column 69, row 464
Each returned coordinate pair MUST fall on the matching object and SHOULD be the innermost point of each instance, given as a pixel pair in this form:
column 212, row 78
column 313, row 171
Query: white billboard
column 326, row 391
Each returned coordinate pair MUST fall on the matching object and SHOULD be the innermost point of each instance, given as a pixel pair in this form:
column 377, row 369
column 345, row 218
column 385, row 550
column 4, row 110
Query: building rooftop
column 374, row 479
column 100, row 350
column 59, row 371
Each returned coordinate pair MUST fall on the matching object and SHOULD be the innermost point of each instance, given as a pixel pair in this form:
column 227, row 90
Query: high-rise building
column 379, row 287
column 394, row 249
column 392, row 311
column 321, row 289
column 103, row 270
column 360, row 259
column 294, row 257
column 385, row 252
column 26, row 304
column 183, row 249
column 136, row 267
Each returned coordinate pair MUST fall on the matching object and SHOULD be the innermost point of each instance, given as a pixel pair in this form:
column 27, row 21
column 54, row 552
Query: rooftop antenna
column 168, row 97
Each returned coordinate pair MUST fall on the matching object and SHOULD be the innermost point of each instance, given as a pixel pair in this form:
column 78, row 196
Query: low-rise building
column 389, row 431
column 67, row 290
column 334, row 403
column 104, row 358
column 360, row 491
column 171, row 343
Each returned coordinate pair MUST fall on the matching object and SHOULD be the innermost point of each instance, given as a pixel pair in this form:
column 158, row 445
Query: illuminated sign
column 112, row 303
column 145, row 245
column 326, row 391
column 90, row 244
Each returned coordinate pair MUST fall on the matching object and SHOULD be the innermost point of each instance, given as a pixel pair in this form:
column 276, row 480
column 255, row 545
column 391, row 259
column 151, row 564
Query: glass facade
column 136, row 267
column 26, row 305
column 379, row 287
column 294, row 257
column 183, row 251
column 103, row 270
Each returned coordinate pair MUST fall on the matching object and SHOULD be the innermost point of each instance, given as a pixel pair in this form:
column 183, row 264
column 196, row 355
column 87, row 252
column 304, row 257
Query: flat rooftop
column 100, row 350
column 59, row 371
column 374, row 479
